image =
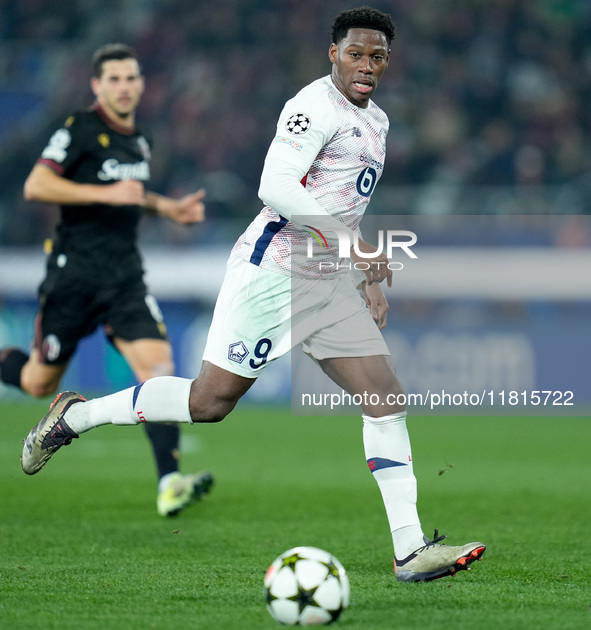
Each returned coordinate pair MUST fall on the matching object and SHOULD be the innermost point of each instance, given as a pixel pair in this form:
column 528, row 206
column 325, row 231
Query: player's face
column 359, row 60
column 119, row 88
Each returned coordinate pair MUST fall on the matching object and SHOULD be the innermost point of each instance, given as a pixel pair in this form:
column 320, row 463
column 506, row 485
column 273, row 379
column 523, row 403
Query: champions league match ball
column 306, row 586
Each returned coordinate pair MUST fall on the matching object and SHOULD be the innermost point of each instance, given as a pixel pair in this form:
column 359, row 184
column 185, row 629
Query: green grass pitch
column 82, row 548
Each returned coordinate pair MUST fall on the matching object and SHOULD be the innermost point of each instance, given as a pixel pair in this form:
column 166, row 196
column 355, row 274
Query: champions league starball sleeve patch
column 298, row 124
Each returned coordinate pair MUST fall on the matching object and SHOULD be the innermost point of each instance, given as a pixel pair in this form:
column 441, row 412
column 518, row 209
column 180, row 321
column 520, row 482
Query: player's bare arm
column 45, row 185
column 187, row 209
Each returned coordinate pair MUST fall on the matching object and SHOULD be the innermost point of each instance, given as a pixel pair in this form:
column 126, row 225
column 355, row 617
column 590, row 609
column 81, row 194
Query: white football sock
column 388, row 453
column 160, row 399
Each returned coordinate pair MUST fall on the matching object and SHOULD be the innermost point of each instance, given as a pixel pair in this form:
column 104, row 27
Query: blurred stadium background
column 489, row 103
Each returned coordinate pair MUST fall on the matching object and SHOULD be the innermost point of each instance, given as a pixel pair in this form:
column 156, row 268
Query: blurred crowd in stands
column 489, row 100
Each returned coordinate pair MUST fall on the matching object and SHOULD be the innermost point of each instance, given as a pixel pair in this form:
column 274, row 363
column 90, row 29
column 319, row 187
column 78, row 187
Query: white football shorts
column 261, row 315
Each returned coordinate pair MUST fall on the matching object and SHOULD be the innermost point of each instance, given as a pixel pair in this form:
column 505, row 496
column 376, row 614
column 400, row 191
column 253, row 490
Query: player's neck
column 118, row 123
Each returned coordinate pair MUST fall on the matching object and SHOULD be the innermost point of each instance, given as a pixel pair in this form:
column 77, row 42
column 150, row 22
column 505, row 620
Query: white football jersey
column 341, row 148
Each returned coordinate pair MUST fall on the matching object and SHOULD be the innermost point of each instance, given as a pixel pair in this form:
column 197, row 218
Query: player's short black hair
column 362, row 17
column 108, row 52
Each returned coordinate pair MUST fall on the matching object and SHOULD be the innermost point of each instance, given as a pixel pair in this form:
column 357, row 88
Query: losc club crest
column 237, row 352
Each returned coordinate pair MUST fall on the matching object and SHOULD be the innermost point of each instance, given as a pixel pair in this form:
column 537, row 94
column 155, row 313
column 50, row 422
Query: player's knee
column 39, row 380
column 37, row 389
column 387, row 400
column 164, row 368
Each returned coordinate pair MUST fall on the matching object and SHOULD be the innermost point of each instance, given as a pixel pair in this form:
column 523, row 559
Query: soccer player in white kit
column 321, row 168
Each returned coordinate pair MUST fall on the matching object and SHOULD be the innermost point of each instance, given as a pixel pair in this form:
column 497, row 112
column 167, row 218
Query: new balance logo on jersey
column 112, row 169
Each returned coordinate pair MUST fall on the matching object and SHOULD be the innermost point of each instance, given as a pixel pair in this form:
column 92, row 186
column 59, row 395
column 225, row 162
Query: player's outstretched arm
column 45, row 185
column 187, row 209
